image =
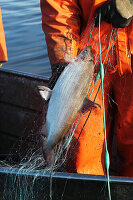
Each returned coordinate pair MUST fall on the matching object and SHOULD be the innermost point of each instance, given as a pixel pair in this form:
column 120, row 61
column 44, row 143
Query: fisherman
column 3, row 50
column 68, row 27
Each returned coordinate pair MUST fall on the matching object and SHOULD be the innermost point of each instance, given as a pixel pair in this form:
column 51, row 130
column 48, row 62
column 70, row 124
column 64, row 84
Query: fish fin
column 45, row 92
column 88, row 105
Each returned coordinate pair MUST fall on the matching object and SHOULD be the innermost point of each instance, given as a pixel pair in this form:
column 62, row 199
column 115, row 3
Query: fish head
column 86, row 54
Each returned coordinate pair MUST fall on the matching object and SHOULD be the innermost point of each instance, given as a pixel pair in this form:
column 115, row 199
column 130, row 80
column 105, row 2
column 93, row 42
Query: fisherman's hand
column 110, row 14
column 57, row 69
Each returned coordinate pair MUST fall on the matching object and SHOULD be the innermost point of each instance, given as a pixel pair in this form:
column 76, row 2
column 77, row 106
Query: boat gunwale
column 25, row 74
column 68, row 176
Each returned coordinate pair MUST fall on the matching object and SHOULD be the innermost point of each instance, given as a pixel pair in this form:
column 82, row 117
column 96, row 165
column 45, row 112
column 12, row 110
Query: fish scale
column 68, row 96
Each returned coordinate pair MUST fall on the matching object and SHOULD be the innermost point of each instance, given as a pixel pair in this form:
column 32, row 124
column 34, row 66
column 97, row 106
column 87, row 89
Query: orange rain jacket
column 3, row 50
column 67, row 26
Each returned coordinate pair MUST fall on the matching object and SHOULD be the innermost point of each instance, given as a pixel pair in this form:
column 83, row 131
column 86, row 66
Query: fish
column 68, row 96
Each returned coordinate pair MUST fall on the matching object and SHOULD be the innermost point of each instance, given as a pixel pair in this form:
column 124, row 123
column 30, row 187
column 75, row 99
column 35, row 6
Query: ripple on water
column 25, row 39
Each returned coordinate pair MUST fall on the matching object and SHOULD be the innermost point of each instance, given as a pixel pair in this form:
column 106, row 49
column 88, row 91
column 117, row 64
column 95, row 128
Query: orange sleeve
column 61, row 25
column 3, row 50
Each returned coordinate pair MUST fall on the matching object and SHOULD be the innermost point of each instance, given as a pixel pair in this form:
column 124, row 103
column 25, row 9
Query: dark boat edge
column 21, row 106
column 24, row 74
column 63, row 175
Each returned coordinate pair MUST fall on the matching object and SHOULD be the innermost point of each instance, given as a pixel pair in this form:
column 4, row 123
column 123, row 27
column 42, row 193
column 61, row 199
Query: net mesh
column 29, row 155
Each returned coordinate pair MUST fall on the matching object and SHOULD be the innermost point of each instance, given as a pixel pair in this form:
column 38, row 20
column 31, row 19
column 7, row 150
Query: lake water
column 25, row 39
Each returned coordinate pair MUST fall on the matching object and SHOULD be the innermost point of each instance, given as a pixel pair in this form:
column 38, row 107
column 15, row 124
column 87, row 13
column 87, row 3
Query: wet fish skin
column 68, row 96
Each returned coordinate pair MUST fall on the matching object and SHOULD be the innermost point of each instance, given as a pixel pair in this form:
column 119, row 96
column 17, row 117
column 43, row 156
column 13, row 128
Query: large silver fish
column 68, row 96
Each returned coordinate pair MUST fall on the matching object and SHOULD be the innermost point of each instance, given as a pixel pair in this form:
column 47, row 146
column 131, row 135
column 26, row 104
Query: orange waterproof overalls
column 3, row 50
column 67, row 26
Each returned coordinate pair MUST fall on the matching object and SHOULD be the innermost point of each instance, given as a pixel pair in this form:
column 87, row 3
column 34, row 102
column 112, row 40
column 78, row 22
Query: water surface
column 25, row 39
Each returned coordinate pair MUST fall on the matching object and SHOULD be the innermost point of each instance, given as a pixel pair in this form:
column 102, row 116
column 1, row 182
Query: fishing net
column 26, row 169
column 28, row 157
